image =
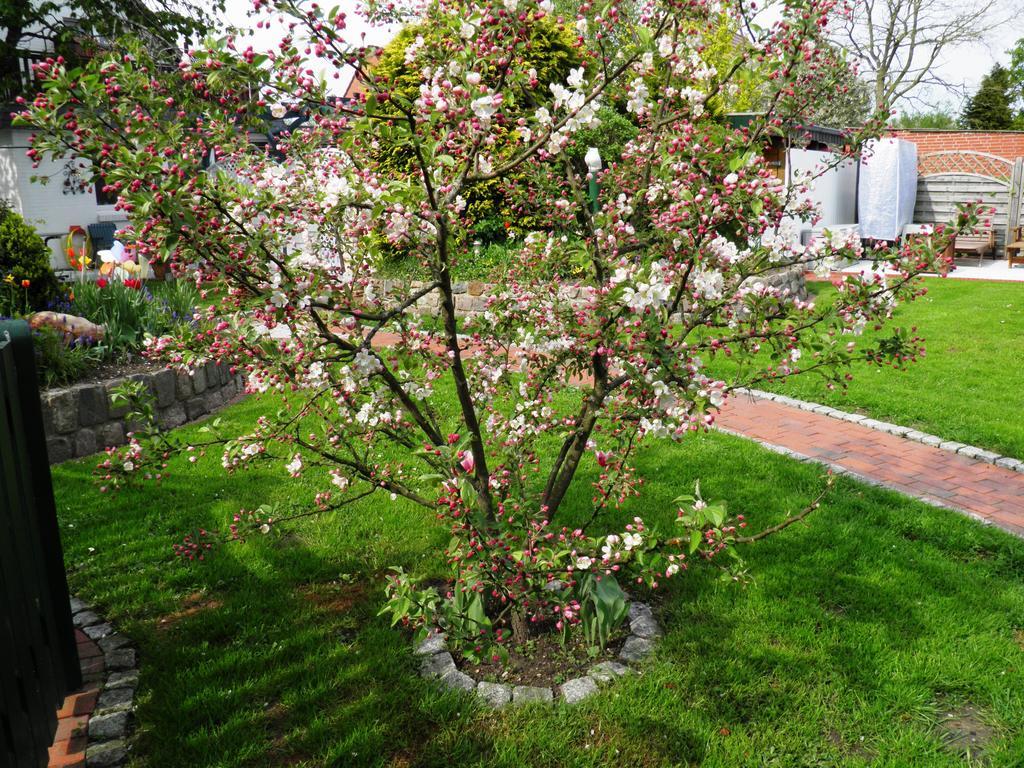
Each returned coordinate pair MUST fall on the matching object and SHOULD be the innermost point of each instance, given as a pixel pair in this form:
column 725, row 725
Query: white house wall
column 46, row 206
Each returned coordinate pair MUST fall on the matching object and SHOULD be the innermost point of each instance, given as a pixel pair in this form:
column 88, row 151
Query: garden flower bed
column 128, row 312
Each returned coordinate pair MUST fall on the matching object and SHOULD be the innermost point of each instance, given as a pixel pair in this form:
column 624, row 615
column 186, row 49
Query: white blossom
column 638, row 93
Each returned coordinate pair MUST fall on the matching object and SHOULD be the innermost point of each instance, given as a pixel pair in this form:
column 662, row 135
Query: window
column 104, row 198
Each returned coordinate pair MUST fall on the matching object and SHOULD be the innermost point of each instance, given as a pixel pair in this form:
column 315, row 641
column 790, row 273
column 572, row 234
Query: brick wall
column 1005, row 144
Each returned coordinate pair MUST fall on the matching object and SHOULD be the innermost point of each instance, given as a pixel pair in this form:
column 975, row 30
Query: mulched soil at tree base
column 542, row 661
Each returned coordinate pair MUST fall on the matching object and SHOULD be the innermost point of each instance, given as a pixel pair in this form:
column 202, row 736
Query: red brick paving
column 68, row 749
column 971, row 486
column 975, row 487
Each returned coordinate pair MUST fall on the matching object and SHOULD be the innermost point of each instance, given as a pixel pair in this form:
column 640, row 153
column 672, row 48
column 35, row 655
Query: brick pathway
column 976, row 488
column 979, row 489
column 68, row 749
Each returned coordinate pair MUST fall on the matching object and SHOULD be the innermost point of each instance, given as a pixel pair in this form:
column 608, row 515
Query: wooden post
column 1013, row 210
column 38, row 653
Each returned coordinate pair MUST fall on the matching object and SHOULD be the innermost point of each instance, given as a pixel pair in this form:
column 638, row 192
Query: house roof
column 811, row 133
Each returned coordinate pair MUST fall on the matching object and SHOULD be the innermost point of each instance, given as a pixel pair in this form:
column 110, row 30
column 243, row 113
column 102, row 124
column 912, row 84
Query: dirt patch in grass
column 853, row 749
column 963, row 732
column 543, row 661
column 339, row 596
column 281, row 751
column 193, row 604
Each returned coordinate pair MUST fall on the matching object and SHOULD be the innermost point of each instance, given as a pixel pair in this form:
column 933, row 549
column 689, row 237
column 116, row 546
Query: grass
column 969, row 385
column 860, row 629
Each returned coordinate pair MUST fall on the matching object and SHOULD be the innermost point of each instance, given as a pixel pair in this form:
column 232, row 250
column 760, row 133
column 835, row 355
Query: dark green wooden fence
column 38, row 657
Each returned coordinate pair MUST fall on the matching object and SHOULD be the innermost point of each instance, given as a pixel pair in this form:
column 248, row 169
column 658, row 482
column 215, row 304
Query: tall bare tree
column 898, row 43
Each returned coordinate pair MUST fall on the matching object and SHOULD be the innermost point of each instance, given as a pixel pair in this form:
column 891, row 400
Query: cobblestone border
column 110, row 722
column 970, row 451
column 436, row 663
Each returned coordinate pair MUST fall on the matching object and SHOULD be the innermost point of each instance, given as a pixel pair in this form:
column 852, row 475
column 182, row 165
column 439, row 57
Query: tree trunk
column 520, row 627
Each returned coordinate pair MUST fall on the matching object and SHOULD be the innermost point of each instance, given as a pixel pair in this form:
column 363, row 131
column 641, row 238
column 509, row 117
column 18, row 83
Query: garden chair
column 1015, row 246
column 979, row 243
column 102, row 236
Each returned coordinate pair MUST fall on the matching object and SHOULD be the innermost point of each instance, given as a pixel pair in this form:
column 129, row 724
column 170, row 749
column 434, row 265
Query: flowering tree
column 486, row 420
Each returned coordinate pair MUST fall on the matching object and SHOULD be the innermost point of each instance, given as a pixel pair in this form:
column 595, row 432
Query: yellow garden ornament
column 78, row 259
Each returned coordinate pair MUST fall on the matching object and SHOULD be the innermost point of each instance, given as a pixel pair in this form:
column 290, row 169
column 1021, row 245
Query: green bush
column 24, row 256
column 614, row 132
column 551, row 51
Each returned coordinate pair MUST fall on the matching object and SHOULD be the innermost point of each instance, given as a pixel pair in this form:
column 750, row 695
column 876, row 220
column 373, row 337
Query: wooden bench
column 924, row 232
column 1014, row 247
column 979, row 243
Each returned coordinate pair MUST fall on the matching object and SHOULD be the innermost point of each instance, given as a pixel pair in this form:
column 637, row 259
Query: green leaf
column 695, row 539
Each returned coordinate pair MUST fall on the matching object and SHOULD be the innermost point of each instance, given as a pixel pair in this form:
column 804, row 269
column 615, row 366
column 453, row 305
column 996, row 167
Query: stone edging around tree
column 79, row 420
column 969, row 451
column 110, row 721
column 436, row 663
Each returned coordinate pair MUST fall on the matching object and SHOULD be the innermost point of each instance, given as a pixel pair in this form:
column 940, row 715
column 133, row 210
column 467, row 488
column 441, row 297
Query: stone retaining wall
column 79, row 420
column 471, row 297
column 793, row 277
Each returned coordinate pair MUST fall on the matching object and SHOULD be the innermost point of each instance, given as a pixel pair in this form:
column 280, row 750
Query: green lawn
column 969, row 386
column 860, row 630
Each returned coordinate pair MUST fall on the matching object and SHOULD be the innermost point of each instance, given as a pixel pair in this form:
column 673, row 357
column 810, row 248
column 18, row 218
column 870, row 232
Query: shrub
column 24, row 256
column 492, row 421
column 610, row 137
column 552, row 52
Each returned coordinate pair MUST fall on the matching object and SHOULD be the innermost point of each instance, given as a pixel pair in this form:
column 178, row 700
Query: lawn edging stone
column 109, row 723
column 970, row 451
column 436, row 663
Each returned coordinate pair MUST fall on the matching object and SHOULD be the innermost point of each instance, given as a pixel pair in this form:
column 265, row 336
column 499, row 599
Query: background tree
column 76, row 30
column 851, row 105
column 938, row 119
column 1017, row 79
column 989, row 108
column 897, row 43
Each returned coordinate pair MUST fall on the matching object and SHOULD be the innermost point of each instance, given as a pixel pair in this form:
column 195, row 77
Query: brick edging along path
column 970, row 451
column 94, row 721
column 989, row 493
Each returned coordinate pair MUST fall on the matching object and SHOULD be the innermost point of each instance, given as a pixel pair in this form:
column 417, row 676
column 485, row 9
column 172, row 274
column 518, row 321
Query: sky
column 965, row 65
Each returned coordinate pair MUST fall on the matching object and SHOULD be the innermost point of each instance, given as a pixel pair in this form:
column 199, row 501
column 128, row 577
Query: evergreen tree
column 989, row 108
